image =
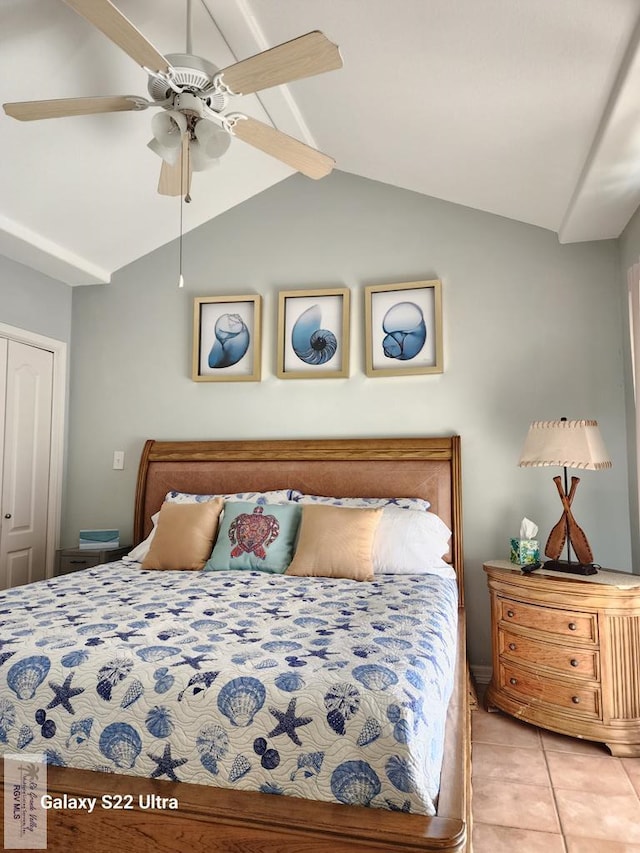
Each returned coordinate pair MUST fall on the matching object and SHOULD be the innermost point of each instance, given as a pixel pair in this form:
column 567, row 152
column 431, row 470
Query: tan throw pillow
column 335, row 542
column 184, row 536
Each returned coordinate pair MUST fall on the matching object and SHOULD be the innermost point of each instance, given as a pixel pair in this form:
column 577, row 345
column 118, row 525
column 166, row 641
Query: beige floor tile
column 511, row 763
column 553, row 742
column 614, row 817
column 514, row 804
column 598, row 845
column 587, row 772
column 502, row 729
column 506, row 839
column 632, row 766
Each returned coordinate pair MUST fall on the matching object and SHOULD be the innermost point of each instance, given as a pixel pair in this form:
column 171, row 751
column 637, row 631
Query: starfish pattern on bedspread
column 288, row 722
column 64, row 693
column 166, row 764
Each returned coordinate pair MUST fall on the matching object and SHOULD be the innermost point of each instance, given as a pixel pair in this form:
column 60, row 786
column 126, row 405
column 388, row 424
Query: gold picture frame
column 313, row 333
column 227, row 338
column 403, row 328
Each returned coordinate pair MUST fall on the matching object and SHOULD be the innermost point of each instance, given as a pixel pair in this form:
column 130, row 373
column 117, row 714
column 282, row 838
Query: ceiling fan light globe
column 199, row 159
column 169, row 155
column 168, row 127
column 213, row 141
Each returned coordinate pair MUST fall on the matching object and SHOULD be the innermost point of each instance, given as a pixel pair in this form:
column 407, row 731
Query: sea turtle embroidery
column 252, row 533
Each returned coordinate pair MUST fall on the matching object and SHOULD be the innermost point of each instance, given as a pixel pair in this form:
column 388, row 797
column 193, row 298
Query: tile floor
column 538, row 792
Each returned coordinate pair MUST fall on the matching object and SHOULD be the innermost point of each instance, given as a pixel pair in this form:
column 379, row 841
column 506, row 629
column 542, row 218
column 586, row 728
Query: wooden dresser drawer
column 575, row 696
column 565, row 660
column 564, row 623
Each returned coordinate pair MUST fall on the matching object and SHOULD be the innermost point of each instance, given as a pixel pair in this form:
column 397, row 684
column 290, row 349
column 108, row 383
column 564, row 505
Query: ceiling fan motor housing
column 192, row 74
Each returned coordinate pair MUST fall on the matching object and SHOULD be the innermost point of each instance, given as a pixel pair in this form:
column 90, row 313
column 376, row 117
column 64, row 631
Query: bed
column 232, row 818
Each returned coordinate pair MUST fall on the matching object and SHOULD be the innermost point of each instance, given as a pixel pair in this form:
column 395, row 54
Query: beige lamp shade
column 563, row 443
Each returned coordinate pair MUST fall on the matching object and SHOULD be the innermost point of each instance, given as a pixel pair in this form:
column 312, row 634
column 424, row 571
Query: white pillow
column 277, row 496
column 137, row 554
column 360, row 503
column 408, row 542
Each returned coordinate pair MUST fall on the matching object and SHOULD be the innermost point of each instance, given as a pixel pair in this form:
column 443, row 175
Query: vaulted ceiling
column 528, row 109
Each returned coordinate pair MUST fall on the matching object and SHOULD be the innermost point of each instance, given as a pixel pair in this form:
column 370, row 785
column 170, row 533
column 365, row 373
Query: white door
column 26, row 460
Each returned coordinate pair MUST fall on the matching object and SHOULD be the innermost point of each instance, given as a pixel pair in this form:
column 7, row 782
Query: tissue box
column 99, row 539
column 524, row 551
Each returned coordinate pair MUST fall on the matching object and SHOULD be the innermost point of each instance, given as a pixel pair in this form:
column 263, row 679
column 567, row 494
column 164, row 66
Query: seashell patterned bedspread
column 328, row 689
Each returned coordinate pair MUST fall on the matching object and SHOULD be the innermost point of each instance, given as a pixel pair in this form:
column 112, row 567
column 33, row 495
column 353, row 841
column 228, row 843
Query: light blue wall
column 532, row 330
column 34, row 302
column 629, row 255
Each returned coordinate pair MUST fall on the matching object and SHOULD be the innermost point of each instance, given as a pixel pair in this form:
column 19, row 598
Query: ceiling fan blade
column 312, row 163
column 33, row 110
column 305, row 56
column 109, row 20
column 176, row 179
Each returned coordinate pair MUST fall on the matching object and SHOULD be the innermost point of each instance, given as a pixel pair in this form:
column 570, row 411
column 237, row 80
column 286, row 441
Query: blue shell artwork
column 134, row 692
column 342, row 700
column 370, row 731
column 405, row 331
column 79, row 733
column 7, row 718
column 26, row 675
column 159, row 722
column 309, row 765
column 74, row 658
column 163, row 679
column 241, row 699
column 310, row 343
column 399, row 774
column 111, row 674
column 241, row 766
column 232, row 341
column 152, row 653
column 121, row 743
column 374, row 676
column 212, row 744
column 24, row 737
column 355, row 783
column 289, row 682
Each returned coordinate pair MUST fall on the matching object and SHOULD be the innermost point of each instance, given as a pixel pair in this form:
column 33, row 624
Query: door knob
column 7, row 515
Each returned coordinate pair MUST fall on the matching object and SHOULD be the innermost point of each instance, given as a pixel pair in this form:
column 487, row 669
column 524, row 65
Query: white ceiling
column 529, row 109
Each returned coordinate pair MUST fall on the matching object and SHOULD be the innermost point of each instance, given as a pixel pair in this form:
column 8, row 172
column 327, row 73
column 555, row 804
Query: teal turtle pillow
column 255, row 537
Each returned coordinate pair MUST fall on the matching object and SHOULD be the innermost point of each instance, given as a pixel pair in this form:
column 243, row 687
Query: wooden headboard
column 369, row 467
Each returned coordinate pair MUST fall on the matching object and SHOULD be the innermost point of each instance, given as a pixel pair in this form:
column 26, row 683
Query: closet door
column 25, row 464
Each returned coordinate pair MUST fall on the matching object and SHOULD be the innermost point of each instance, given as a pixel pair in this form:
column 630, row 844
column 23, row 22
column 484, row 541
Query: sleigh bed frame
column 218, row 820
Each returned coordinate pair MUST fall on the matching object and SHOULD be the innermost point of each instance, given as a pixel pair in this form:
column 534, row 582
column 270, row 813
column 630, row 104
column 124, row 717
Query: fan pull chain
column 184, row 199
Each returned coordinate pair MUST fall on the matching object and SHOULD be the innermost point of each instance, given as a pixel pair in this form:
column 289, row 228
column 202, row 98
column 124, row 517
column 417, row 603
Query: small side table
column 565, row 652
column 74, row 559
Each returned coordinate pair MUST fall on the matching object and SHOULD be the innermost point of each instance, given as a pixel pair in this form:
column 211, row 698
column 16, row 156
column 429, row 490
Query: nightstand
column 74, row 559
column 566, row 652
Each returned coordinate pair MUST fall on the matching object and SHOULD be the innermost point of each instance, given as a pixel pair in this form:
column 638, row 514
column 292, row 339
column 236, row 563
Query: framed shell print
column 226, row 338
column 403, row 328
column 313, row 334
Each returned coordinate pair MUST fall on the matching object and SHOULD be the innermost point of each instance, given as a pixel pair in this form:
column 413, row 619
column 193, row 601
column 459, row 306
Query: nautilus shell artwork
column 405, row 331
column 232, row 341
column 310, row 343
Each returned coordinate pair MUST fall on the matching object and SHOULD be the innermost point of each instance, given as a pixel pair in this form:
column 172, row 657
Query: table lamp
column 567, row 444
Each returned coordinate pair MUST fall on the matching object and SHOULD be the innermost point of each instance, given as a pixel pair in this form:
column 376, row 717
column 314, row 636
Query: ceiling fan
column 193, row 131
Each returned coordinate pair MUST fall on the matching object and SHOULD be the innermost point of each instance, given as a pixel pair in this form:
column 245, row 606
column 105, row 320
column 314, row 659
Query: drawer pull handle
column 510, row 614
column 575, row 700
column 78, row 562
column 574, row 662
column 572, row 626
column 513, row 681
column 512, row 647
